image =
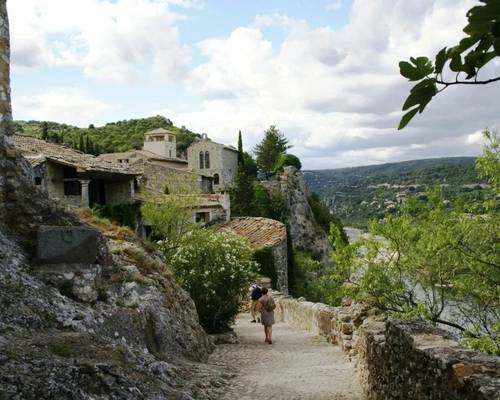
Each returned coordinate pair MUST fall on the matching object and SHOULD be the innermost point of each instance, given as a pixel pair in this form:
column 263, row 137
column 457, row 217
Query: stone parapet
column 397, row 359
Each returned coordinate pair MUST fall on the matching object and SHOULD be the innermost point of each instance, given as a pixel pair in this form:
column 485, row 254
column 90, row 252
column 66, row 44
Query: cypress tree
column 81, row 144
column 241, row 159
column 45, row 130
column 88, row 145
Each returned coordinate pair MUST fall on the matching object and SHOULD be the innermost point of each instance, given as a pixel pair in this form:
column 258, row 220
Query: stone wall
column 157, row 176
column 119, row 192
column 223, row 162
column 280, row 258
column 397, row 359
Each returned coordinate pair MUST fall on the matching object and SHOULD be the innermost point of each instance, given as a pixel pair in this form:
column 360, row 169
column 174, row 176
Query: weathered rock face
column 398, row 359
column 131, row 334
column 304, row 230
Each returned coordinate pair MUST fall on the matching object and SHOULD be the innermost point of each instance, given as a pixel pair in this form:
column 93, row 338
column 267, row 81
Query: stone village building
column 215, row 160
column 208, row 172
column 78, row 179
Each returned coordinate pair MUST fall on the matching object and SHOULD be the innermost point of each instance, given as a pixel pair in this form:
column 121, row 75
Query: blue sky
column 325, row 72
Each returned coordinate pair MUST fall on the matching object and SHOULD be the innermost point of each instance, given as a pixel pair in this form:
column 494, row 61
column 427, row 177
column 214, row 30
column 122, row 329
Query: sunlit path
column 297, row 366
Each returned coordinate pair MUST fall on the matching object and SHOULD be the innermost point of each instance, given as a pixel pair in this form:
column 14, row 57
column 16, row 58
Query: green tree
column 241, row 159
column 170, row 217
column 249, row 165
column 243, row 195
column 45, row 131
column 480, row 46
column 269, row 150
column 81, row 143
column 433, row 262
column 288, row 160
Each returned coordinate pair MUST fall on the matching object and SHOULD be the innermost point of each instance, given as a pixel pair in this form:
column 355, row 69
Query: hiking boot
column 258, row 320
column 253, row 320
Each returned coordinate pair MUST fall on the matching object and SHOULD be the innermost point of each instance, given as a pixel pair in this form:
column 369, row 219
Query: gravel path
column 297, row 366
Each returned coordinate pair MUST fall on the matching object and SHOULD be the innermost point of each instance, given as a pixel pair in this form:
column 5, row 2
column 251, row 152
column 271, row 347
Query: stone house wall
column 178, row 181
column 119, row 192
column 223, row 161
column 397, row 360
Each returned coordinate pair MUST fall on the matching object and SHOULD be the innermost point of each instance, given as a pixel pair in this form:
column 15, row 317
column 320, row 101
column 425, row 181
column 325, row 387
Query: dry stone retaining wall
column 397, row 359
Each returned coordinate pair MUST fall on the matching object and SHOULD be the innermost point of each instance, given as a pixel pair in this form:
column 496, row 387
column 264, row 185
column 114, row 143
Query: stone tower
column 161, row 142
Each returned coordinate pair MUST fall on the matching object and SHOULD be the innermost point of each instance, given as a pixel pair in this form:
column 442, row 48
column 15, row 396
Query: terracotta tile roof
column 258, row 232
column 160, row 131
column 37, row 151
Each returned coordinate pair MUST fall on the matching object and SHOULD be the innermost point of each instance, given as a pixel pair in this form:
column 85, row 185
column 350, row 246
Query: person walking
column 266, row 308
column 255, row 294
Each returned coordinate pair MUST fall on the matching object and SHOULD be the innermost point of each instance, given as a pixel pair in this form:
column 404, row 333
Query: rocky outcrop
column 304, row 231
column 397, row 359
column 122, row 330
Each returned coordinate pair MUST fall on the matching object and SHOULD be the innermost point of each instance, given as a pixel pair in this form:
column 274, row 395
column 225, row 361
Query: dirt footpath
column 297, row 366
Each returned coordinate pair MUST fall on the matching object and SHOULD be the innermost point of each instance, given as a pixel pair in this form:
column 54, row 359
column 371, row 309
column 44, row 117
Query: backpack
column 270, row 305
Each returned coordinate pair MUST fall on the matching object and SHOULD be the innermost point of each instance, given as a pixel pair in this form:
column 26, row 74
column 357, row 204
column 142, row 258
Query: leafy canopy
column 480, row 46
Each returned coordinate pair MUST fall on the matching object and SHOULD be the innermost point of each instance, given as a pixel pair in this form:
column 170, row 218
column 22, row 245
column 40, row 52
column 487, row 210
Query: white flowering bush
column 216, row 268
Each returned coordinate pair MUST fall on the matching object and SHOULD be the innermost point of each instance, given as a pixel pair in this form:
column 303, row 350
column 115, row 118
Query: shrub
column 265, row 260
column 288, row 160
column 216, row 269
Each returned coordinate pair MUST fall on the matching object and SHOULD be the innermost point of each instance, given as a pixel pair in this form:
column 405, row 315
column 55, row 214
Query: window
column 202, row 164
column 72, row 188
column 38, row 180
column 207, row 160
column 216, row 179
column 202, row 217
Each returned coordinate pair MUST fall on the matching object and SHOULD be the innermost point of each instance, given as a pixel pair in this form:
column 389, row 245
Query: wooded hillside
column 359, row 194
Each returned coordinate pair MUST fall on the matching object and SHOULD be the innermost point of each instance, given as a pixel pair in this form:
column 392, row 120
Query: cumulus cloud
column 109, row 39
column 337, row 94
column 66, row 105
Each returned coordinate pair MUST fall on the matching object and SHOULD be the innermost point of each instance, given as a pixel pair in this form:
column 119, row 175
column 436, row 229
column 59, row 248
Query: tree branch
column 457, row 82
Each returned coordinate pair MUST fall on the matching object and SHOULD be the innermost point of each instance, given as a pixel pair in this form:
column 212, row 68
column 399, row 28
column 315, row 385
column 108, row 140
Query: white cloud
column 110, row 39
column 66, row 105
column 339, row 93
column 475, row 138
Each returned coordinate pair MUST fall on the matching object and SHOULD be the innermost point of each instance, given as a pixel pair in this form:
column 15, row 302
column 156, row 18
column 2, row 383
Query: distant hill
column 112, row 137
column 359, row 194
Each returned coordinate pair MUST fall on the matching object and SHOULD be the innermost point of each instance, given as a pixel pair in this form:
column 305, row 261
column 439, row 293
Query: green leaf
column 409, row 71
column 486, row 58
column 467, row 43
column 496, row 46
column 422, row 93
column 441, row 59
column 456, row 62
column 407, row 118
column 495, row 29
column 421, row 68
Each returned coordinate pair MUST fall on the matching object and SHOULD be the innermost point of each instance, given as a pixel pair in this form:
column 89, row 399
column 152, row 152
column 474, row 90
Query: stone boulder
column 75, row 244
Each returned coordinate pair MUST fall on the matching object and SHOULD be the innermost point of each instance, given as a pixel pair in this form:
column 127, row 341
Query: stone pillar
column 85, row 193
column 132, row 191
column 6, row 127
